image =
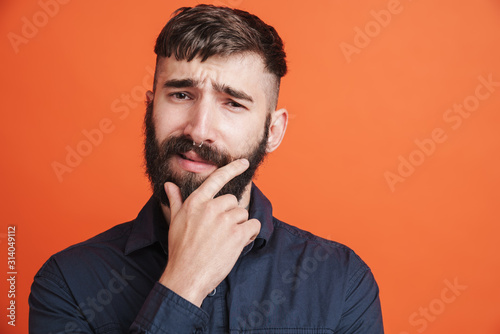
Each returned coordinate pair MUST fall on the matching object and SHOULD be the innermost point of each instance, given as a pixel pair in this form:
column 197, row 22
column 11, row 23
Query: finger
column 224, row 203
column 235, row 216
column 174, row 197
column 218, row 179
column 252, row 229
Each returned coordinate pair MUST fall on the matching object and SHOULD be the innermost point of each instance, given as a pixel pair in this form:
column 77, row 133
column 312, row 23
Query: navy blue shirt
column 286, row 281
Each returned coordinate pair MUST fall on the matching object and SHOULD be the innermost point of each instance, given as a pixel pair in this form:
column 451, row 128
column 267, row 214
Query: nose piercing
column 194, row 143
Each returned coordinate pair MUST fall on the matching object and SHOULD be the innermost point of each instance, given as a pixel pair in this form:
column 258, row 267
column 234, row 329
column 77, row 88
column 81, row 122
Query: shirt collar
column 262, row 210
column 150, row 225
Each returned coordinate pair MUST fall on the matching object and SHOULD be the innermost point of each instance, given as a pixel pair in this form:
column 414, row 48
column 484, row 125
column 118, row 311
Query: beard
column 158, row 156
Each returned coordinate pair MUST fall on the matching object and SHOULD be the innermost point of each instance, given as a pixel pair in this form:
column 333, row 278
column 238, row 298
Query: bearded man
column 205, row 254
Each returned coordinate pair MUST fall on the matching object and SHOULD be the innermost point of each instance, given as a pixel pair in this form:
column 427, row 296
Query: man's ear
column 277, row 128
column 149, row 96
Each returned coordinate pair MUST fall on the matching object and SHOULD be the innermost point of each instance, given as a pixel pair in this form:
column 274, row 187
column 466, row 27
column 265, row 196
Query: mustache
column 181, row 144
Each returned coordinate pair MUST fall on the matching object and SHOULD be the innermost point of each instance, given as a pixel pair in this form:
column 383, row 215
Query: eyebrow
column 237, row 94
column 221, row 88
column 180, row 83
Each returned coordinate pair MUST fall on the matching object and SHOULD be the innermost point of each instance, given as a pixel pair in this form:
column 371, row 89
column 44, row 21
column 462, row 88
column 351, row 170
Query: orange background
column 351, row 118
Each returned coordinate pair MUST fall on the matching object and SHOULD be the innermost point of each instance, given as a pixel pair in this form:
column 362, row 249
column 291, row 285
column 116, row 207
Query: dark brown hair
column 206, row 30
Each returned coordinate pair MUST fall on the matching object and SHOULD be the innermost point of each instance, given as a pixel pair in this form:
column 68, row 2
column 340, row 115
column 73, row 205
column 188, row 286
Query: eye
column 233, row 104
column 179, row 95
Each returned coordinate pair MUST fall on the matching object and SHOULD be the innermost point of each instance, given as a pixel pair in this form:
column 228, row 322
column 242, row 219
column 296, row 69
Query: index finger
column 218, row 179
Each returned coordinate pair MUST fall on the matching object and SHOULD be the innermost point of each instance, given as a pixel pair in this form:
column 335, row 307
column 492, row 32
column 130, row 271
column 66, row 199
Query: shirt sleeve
column 166, row 312
column 52, row 306
column 362, row 312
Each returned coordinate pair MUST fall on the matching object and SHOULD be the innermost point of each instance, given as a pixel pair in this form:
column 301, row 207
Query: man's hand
column 206, row 235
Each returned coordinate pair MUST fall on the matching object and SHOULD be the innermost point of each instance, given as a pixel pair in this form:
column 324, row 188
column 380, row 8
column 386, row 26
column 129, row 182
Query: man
column 205, row 254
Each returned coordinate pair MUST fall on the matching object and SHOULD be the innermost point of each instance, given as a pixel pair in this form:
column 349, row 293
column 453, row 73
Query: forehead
column 245, row 72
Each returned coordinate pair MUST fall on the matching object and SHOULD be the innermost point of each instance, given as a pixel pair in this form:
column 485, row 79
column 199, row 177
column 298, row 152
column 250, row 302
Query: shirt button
column 211, row 294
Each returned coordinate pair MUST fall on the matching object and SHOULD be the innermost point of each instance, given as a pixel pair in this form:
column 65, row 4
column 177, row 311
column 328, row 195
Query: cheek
column 167, row 124
column 242, row 138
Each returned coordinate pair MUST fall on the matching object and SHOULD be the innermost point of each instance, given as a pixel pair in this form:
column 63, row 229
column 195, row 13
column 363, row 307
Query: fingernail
column 245, row 162
column 166, row 185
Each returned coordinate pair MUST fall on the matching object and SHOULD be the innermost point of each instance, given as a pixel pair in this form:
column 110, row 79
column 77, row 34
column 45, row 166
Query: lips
column 192, row 156
column 192, row 162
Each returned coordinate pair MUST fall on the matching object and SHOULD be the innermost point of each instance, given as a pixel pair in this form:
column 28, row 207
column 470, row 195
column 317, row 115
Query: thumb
column 174, row 197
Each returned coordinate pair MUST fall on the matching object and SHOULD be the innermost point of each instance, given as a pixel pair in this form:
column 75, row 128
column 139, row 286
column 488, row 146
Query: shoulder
column 113, row 238
column 315, row 251
column 319, row 271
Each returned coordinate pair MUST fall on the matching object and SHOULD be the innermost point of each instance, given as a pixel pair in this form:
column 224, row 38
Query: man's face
column 222, row 103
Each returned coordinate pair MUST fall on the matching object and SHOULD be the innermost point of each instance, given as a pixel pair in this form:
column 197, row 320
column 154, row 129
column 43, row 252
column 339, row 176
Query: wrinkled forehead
column 244, row 72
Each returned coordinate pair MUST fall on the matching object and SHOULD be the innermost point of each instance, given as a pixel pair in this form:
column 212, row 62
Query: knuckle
column 194, row 197
column 211, row 207
column 227, row 220
column 231, row 199
column 243, row 214
column 255, row 225
column 190, row 210
column 228, row 200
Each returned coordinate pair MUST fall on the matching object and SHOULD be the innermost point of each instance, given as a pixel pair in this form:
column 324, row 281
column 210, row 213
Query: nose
column 199, row 127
